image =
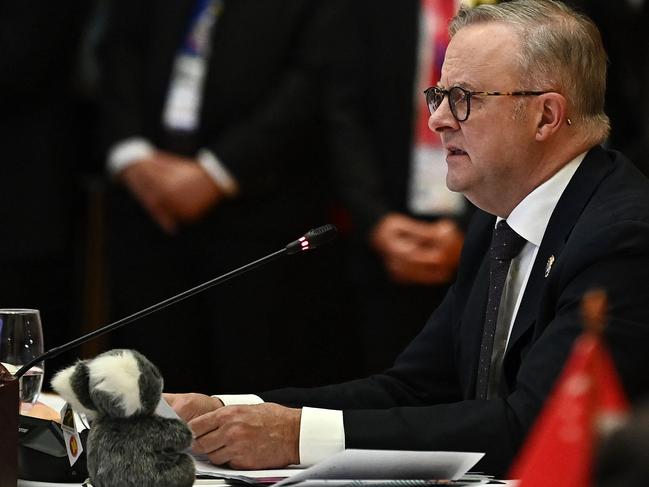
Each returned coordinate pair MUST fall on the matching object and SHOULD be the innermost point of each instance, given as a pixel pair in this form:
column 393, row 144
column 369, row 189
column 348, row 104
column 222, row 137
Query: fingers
column 204, row 424
column 187, row 190
column 416, row 251
column 162, row 217
column 223, row 435
column 171, row 398
column 171, row 189
column 422, row 266
column 407, row 273
column 224, row 446
column 212, row 444
column 190, row 406
column 391, row 235
column 399, row 233
column 258, row 436
column 144, row 179
column 192, row 193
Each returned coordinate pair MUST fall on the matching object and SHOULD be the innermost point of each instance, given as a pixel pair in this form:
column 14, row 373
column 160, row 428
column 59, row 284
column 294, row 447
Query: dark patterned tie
column 505, row 245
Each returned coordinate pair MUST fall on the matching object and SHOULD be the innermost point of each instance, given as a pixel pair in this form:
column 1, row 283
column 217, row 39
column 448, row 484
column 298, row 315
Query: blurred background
column 148, row 146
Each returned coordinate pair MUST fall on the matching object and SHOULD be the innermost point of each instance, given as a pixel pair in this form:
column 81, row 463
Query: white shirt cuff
column 128, row 152
column 217, row 171
column 322, row 433
column 233, row 399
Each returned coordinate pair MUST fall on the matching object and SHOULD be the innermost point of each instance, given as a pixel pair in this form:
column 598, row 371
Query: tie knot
column 506, row 243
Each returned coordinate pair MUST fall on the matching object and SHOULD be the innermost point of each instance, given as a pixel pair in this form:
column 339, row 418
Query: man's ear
column 552, row 115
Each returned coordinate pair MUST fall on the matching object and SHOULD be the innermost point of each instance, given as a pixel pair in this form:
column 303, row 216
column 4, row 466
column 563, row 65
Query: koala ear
column 150, row 383
column 114, row 383
column 72, row 384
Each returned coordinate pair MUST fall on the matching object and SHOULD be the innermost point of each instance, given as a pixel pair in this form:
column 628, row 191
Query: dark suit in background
column 260, row 117
column 380, row 153
column 622, row 455
column 599, row 235
column 623, row 25
column 41, row 139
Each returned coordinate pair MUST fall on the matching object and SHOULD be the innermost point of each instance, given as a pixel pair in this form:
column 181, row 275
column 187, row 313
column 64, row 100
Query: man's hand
column 171, row 188
column 249, row 437
column 190, row 406
column 418, row 252
column 189, row 191
column 144, row 180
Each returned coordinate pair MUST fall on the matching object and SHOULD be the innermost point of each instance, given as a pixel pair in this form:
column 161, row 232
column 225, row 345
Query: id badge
column 183, row 103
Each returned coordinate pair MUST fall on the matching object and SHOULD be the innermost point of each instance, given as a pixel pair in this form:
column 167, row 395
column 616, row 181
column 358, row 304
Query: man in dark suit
column 520, row 112
column 407, row 237
column 214, row 141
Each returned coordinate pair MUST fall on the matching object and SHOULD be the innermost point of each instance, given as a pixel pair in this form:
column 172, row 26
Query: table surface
column 200, row 482
column 31, row 483
column 56, row 402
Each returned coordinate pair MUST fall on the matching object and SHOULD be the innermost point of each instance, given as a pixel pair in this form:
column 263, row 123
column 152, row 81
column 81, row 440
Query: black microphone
column 311, row 240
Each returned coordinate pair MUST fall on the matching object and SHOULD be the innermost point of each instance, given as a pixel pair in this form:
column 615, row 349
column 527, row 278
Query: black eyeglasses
column 459, row 99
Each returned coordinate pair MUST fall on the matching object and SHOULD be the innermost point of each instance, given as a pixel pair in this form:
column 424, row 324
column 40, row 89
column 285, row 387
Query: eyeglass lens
column 457, row 97
column 459, row 101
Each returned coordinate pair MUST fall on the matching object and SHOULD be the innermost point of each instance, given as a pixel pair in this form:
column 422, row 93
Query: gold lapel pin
column 548, row 265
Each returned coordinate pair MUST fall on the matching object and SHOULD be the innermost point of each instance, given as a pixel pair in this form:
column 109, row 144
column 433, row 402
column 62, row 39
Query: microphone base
column 42, row 455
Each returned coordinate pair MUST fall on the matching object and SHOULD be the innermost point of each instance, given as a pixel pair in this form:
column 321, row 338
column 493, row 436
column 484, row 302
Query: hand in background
column 144, row 180
column 190, row 406
column 418, row 252
column 173, row 189
column 249, row 437
column 189, row 191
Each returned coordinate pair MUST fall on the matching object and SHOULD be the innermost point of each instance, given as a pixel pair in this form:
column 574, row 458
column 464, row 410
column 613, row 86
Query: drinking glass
column 21, row 340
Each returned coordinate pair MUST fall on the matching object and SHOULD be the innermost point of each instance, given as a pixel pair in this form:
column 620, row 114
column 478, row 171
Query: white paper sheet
column 390, row 464
column 361, row 465
column 204, row 467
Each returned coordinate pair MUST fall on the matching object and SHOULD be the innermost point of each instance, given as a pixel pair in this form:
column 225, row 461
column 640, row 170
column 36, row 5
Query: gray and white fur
column 128, row 444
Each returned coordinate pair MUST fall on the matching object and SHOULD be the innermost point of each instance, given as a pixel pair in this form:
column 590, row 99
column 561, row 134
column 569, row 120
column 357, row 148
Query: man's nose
column 442, row 119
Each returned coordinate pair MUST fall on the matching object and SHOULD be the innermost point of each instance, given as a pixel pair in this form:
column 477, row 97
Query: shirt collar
column 531, row 216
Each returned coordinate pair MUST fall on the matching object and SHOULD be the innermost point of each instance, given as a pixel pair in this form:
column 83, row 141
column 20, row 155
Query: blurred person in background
column 213, row 139
column 407, row 226
column 623, row 25
column 522, row 119
column 42, row 138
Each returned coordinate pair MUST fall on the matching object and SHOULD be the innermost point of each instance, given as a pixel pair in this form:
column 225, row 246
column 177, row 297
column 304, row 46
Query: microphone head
column 312, row 239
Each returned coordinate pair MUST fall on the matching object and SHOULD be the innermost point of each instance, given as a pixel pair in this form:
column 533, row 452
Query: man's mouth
column 455, row 151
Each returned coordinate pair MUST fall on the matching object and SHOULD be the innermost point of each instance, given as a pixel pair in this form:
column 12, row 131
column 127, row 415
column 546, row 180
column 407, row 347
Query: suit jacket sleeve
column 426, row 400
column 281, row 130
column 251, row 123
column 259, row 146
column 342, row 81
column 123, row 54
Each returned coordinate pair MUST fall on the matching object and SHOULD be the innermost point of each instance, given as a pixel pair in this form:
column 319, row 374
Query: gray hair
column 561, row 50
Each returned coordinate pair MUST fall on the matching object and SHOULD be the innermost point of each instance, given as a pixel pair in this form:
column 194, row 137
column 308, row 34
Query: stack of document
column 364, row 468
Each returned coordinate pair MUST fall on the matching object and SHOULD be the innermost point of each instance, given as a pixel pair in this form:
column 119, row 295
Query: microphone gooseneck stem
column 147, row 311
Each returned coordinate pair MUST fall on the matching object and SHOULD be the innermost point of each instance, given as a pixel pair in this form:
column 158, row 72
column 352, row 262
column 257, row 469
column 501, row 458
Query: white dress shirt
column 529, row 219
column 322, row 431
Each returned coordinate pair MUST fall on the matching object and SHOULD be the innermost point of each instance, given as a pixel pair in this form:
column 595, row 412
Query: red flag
column 587, row 400
column 436, row 15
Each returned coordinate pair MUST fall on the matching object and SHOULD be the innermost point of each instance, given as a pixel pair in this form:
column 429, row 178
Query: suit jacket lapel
column 473, row 282
column 572, row 202
column 472, row 324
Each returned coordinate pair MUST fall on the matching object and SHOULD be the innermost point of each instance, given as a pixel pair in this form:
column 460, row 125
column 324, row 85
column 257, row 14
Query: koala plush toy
column 128, row 444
